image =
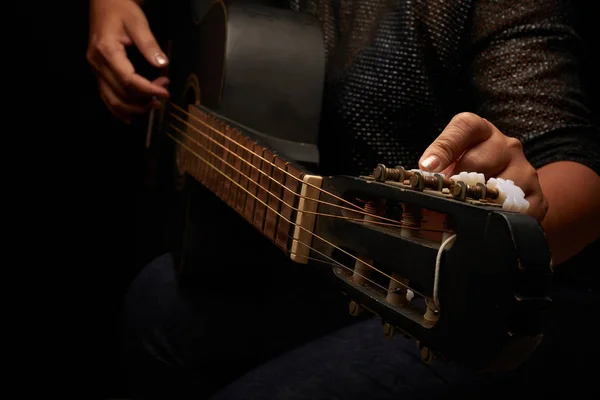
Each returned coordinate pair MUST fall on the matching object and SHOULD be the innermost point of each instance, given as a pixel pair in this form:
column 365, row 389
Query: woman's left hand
column 473, row 144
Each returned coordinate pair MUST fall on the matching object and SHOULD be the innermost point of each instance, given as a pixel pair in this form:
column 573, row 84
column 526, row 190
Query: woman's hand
column 115, row 24
column 473, row 144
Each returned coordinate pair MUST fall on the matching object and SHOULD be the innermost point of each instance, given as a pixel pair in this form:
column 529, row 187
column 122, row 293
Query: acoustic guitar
column 451, row 262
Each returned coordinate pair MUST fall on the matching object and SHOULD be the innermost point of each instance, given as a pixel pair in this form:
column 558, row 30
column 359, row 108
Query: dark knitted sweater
column 399, row 70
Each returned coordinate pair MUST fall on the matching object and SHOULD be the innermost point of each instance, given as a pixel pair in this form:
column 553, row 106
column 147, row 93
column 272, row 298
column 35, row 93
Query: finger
column 463, row 132
column 139, row 31
column 120, row 108
column 162, row 81
column 490, row 157
column 156, row 102
column 116, row 60
column 109, row 77
column 115, row 113
column 524, row 175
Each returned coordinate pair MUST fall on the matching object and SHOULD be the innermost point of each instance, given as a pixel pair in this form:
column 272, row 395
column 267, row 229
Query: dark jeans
column 237, row 341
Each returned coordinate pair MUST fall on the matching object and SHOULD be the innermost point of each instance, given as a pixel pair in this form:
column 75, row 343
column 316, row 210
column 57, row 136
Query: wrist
column 573, row 218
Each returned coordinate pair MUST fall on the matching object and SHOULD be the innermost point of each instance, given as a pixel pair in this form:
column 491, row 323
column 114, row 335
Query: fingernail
column 160, row 59
column 431, row 163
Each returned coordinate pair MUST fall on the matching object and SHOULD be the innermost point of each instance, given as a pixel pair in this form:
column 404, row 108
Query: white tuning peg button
column 470, row 178
column 510, row 195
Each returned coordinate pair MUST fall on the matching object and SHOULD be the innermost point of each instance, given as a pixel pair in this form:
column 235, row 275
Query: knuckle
column 89, row 56
column 103, row 48
column 92, row 54
column 115, row 103
column 467, row 121
column 446, row 149
column 514, row 143
column 531, row 173
column 463, row 125
column 447, row 145
column 127, row 81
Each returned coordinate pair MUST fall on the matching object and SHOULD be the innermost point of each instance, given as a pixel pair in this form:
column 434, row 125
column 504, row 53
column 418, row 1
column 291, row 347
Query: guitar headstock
column 453, row 262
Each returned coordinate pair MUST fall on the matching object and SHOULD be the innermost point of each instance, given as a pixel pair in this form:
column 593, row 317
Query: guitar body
column 259, row 66
column 243, row 125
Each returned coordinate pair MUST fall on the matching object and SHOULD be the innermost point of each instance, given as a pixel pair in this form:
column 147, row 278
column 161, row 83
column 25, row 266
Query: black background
column 91, row 211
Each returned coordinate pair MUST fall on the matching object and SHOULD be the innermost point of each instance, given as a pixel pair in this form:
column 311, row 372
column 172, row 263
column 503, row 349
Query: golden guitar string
column 259, row 156
column 337, row 263
column 359, row 210
column 270, row 194
column 269, row 162
column 287, row 220
column 446, row 243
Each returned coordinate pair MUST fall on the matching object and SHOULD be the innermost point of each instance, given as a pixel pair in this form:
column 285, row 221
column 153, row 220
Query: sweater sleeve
column 524, row 74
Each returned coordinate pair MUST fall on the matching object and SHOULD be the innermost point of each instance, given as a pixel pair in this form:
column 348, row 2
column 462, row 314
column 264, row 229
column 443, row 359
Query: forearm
column 573, row 218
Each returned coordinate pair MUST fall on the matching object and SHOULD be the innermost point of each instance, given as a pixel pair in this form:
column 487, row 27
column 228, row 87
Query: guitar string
column 290, row 222
column 253, row 167
column 336, row 262
column 359, row 209
column 293, row 224
column 295, row 209
column 270, row 194
column 254, row 154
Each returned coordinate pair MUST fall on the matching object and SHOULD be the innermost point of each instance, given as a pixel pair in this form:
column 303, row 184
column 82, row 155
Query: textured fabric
column 181, row 348
column 399, row 70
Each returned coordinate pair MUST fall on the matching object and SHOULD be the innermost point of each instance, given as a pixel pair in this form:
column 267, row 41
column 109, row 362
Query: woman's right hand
column 115, row 24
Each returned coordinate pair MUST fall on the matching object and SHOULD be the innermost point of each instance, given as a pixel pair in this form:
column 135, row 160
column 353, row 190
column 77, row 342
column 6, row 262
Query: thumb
column 464, row 131
column 142, row 37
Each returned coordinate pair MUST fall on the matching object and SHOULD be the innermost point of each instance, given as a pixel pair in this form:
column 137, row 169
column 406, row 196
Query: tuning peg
column 355, row 309
column 508, row 194
column 388, row 330
column 420, row 181
column 427, row 355
column 381, row 173
column 417, row 181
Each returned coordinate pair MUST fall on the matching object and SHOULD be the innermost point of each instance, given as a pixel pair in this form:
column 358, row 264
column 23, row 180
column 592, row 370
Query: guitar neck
column 274, row 195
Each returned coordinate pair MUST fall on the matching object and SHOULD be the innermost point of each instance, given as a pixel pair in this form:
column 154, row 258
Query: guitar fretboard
column 250, row 178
